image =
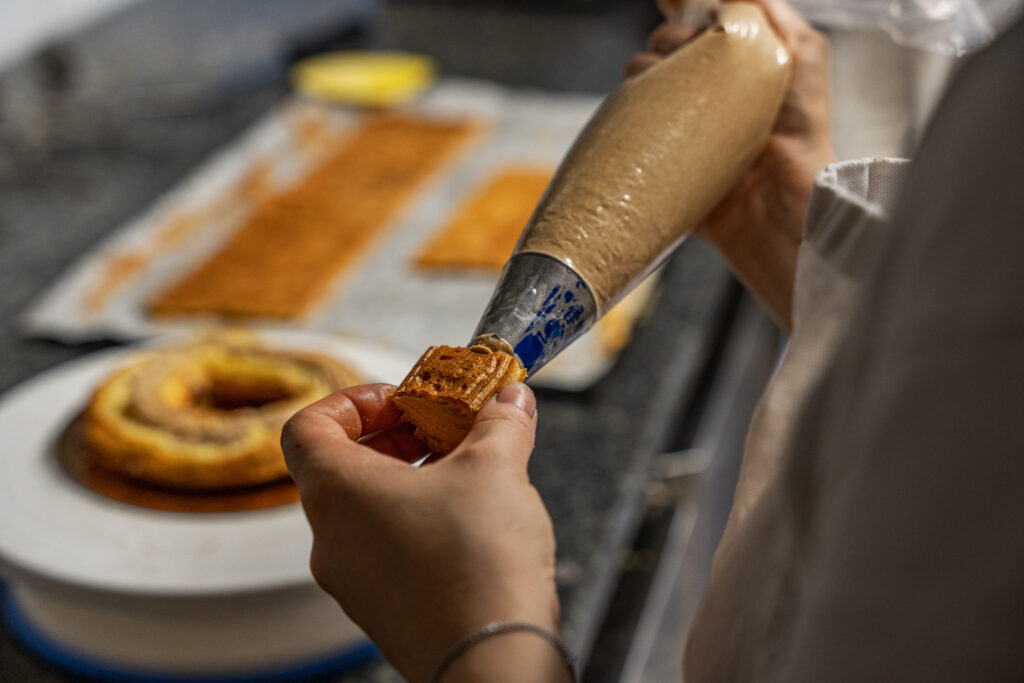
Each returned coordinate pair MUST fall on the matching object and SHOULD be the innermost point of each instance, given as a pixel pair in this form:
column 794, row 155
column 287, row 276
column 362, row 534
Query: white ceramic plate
column 53, row 528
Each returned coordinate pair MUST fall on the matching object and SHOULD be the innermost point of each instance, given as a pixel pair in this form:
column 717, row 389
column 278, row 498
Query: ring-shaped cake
column 205, row 415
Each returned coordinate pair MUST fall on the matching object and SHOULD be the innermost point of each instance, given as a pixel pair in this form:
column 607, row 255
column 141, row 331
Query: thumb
column 504, row 428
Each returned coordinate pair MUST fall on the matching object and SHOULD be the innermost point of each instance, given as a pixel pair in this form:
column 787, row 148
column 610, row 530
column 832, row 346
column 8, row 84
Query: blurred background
column 105, row 105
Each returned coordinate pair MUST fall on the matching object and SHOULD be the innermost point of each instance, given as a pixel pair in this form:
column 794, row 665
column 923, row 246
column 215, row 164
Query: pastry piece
column 447, row 388
column 485, row 229
column 205, row 415
column 289, row 252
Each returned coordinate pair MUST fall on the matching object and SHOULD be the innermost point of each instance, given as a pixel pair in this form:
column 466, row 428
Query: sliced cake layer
column 447, row 388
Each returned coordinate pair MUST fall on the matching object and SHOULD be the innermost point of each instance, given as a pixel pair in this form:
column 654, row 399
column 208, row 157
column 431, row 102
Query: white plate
column 53, row 528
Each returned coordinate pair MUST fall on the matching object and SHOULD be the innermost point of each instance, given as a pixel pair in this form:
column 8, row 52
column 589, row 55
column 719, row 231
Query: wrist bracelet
column 497, row 628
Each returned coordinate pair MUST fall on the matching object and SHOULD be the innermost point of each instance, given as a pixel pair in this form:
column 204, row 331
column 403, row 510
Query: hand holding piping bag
column 759, row 225
column 653, row 163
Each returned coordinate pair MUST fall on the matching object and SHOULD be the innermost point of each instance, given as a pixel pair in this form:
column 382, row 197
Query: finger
column 399, row 442
column 668, row 37
column 330, row 427
column 641, row 61
column 786, row 21
column 504, row 428
column 360, row 410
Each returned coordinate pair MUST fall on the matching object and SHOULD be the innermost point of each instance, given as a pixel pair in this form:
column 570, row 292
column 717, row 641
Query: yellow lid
column 378, row 79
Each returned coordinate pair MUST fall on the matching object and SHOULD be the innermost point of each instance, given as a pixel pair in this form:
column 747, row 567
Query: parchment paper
column 385, row 298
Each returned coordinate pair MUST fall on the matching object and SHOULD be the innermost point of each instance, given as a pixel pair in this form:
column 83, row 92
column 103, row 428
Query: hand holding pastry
column 759, row 225
column 422, row 557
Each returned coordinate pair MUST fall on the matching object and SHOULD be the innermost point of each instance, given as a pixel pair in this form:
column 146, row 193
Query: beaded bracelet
column 497, row 628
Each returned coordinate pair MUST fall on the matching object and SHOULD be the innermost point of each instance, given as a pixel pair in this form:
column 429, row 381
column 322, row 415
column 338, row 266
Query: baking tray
column 384, row 298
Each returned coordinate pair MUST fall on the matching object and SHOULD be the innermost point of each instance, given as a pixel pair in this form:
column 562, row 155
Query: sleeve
column 744, row 615
column 848, row 211
column 850, row 200
column 914, row 570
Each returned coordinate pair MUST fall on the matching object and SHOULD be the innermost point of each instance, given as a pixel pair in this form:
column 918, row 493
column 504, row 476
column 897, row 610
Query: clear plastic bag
column 949, row 26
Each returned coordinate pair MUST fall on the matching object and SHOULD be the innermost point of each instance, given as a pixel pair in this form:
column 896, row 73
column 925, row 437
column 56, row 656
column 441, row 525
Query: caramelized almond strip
column 447, row 388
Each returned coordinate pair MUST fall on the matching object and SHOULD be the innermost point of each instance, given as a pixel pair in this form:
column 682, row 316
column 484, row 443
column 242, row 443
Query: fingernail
column 519, row 395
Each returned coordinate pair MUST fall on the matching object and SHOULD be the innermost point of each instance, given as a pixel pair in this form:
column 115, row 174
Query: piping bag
column 661, row 152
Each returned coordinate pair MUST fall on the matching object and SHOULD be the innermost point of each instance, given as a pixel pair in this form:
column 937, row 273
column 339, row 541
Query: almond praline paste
column 661, row 153
column 447, row 388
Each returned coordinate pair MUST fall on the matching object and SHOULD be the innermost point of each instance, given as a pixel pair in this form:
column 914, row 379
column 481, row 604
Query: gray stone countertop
column 94, row 127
